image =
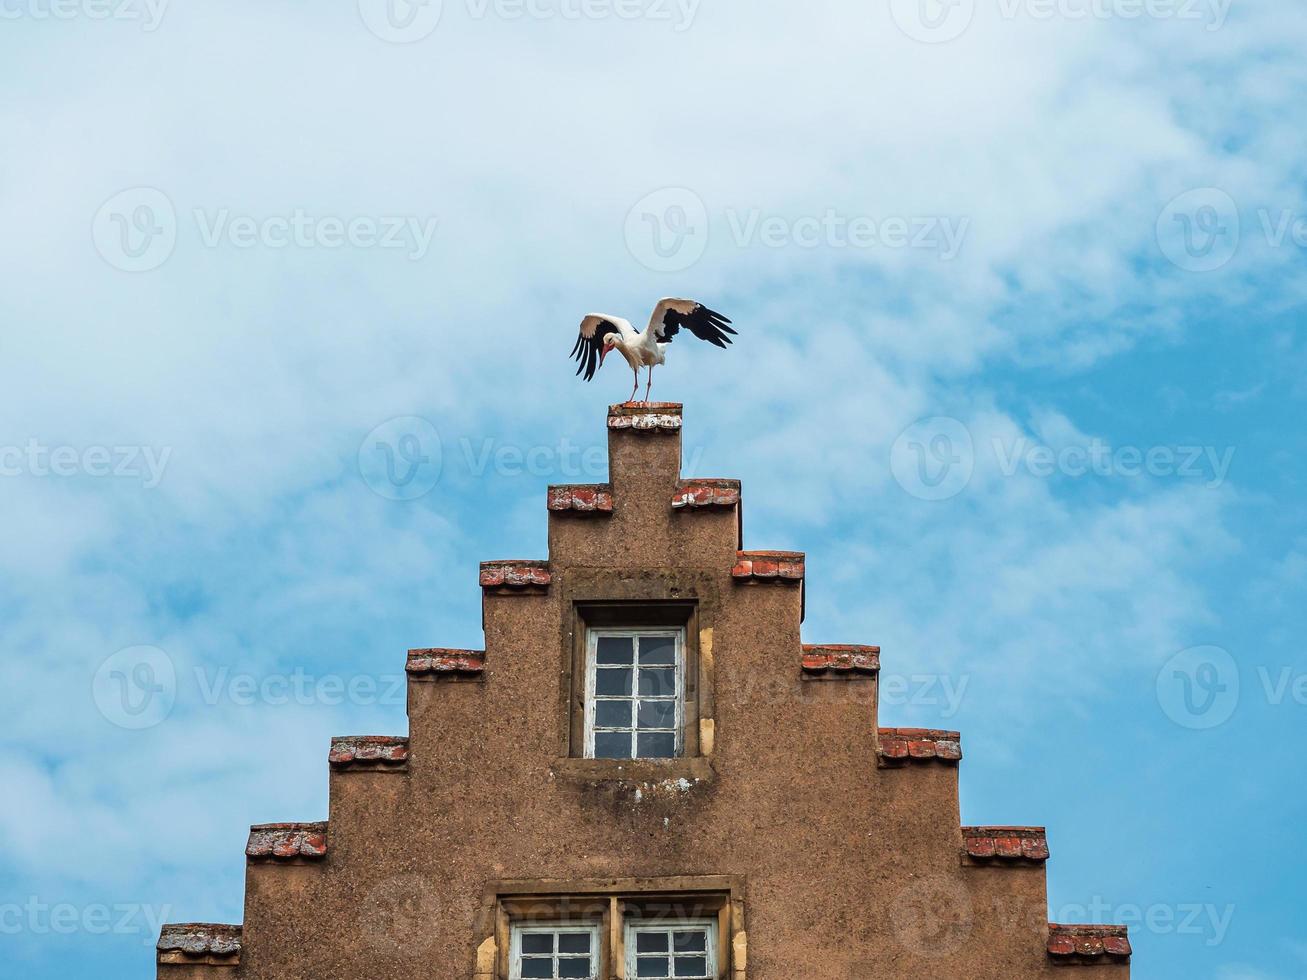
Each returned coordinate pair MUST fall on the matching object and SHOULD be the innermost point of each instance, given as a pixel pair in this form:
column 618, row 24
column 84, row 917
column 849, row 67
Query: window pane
column 658, row 681
column 612, row 745
column 536, row 969
column 613, row 650
column 610, row 681
column 692, row 966
column 656, row 745
column 578, row 966
column 657, row 714
column 537, row 942
column 613, row 714
column 651, row 966
column 576, row 942
column 691, row 942
column 651, row 942
column 657, row 650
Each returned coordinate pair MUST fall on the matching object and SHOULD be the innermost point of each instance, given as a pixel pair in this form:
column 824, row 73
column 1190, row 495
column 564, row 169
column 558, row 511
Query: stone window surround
column 610, row 904
column 687, row 614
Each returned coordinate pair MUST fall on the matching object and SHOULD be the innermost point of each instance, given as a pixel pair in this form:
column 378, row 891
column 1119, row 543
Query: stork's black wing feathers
column 586, row 350
column 704, row 323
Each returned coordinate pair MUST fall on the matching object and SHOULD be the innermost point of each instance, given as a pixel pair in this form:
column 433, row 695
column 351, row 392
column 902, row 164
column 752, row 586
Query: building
column 645, row 774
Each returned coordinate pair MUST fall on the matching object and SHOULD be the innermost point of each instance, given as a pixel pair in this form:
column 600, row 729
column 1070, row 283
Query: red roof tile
column 782, row 566
column 199, row 942
column 645, row 416
column 840, row 660
column 901, row 746
column 697, row 494
column 384, row 752
column 1006, row 843
column 515, row 574
column 287, row 842
column 595, row 498
column 437, row 662
column 1088, row 943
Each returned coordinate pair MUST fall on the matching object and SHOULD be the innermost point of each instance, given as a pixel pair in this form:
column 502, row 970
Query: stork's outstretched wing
column 590, row 340
column 672, row 314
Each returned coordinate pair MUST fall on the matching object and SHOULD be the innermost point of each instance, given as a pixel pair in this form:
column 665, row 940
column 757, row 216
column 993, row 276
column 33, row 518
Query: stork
column 601, row 334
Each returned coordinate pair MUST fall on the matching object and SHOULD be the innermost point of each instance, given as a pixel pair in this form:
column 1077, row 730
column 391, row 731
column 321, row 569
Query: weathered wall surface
column 849, row 869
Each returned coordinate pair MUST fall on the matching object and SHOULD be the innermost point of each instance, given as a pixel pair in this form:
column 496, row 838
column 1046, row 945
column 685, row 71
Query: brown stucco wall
column 847, row 871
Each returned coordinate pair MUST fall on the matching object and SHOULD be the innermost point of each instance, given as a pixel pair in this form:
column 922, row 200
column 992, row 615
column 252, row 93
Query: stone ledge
column 588, row 498
column 1074, row 945
column 769, row 566
column 645, row 416
column 377, row 753
column 902, row 746
column 985, row 845
column 199, row 944
column 840, row 661
column 678, row 774
column 287, row 842
column 516, row 576
column 694, row 495
column 436, row 663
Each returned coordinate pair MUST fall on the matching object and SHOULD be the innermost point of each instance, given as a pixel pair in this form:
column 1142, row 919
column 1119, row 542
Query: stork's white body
column 599, row 334
column 640, row 349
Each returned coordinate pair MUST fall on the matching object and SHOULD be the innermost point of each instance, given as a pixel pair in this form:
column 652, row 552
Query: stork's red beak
column 603, row 352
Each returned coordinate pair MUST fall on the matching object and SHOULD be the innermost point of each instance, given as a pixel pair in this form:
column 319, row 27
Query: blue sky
column 1020, row 366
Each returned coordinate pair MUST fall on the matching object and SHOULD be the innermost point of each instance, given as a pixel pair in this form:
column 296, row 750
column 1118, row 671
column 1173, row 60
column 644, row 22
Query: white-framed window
column 554, row 952
column 671, row 949
column 634, row 693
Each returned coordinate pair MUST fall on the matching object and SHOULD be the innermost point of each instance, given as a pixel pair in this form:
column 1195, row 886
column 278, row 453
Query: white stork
column 600, row 334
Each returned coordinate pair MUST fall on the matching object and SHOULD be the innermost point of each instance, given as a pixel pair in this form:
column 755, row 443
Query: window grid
column 555, row 952
column 672, row 951
column 635, row 693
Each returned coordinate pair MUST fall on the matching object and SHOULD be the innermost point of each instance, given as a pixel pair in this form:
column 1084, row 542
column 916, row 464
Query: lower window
column 555, row 952
column 671, row 950
column 681, row 928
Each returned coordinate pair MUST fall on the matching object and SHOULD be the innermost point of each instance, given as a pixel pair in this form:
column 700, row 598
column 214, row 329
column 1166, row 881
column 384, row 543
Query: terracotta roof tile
column 515, row 575
column 780, row 566
column 645, row 416
column 594, row 498
column 1006, row 844
column 287, row 842
column 437, row 662
column 1078, row 944
column 200, row 942
column 697, row 494
column 383, row 752
column 840, row 660
column 901, row 746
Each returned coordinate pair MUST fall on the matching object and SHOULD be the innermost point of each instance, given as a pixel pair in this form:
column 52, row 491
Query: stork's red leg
column 649, row 385
column 635, row 387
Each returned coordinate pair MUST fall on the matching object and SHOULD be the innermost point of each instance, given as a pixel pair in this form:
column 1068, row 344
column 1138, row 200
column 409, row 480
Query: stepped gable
column 761, row 796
